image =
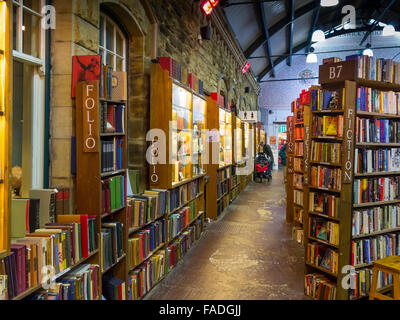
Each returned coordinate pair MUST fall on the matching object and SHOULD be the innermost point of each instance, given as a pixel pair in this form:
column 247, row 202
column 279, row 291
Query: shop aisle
column 247, row 254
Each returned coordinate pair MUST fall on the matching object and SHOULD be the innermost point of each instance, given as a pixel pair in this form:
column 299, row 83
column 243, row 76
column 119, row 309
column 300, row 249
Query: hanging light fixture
column 317, row 36
column 312, row 57
column 389, row 30
column 368, row 51
column 329, row 3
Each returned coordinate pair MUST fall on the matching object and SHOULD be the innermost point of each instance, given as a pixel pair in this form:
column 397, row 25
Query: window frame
column 18, row 52
column 37, row 100
column 113, row 53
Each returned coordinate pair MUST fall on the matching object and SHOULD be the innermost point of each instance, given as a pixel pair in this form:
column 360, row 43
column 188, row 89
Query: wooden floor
column 247, row 254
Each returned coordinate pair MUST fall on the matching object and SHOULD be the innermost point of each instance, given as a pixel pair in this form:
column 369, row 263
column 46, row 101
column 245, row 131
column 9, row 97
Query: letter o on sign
column 91, row 105
column 90, row 143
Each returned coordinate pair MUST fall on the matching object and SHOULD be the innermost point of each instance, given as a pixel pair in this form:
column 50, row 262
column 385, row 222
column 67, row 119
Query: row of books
column 180, row 246
column 327, row 178
column 234, row 193
column 322, row 256
column 375, row 219
column 377, row 130
column 222, row 188
column 298, row 180
column 298, row 164
column 142, row 209
column 59, row 245
column 111, row 154
column 224, row 174
column 299, row 117
column 146, row 276
column 299, row 148
column 146, row 241
column 113, row 194
column 180, row 220
column 112, row 118
column 180, row 117
column 365, row 251
column 113, row 84
column 325, row 230
column 372, row 100
column 150, row 272
column 299, row 133
column 298, row 197
column 327, row 100
column 376, row 160
column 113, row 288
column 181, row 195
column 78, row 284
column 222, row 205
column 376, row 189
column 325, row 203
column 327, row 126
column 362, row 280
column 42, row 206
column 377, row 69
column 112, row 247
column 326, row 152
column 319, row 287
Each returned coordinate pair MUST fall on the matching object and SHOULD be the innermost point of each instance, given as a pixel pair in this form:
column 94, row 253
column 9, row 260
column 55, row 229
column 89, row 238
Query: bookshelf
column 5, row 135
column 101, row 175
column 301, row 122
column 350, row 152
column 290, row 168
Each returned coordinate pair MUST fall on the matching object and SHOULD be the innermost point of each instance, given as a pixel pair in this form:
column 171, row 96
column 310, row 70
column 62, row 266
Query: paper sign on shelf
column 248, row 115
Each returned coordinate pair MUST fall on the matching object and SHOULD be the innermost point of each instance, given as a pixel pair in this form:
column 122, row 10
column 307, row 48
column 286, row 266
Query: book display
column 301, row 132
column 353, row 192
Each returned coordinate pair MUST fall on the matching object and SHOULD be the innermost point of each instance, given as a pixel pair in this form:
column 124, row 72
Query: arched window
column 112, row 44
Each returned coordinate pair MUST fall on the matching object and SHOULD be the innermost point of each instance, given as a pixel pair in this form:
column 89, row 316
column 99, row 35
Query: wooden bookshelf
column 89, row 175
column 349, row 81
column 301, row 136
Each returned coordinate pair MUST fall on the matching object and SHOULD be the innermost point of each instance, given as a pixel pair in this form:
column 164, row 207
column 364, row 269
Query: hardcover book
column 85, row 68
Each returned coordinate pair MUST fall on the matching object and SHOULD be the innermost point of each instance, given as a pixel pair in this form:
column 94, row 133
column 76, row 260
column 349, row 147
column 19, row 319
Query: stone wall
column 211, row 61
column 77, row 33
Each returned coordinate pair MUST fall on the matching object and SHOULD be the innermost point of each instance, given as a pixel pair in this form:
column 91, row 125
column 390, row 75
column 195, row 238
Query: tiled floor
column 247, row 254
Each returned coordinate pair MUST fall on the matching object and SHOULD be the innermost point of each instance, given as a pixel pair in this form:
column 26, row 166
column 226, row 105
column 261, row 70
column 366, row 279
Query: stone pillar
column 76, row 33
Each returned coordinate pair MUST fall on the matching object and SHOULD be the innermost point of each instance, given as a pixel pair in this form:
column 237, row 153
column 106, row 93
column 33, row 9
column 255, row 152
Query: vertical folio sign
column 88, row 103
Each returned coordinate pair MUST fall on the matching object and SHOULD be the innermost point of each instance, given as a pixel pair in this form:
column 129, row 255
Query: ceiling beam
column 291, row 29
column 303, row 46
column 266, row 33
column 313, row 26
column 377, row 20
column 278, row 26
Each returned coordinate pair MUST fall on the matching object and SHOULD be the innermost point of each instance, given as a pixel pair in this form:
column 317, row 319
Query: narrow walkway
column 248, row 254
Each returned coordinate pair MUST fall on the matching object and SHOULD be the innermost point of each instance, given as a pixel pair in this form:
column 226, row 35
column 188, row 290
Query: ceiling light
column 312, row 58
column 318, row 35
column 368, row 52
column 389, row 30
column 207, row 7
column 329, row 3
